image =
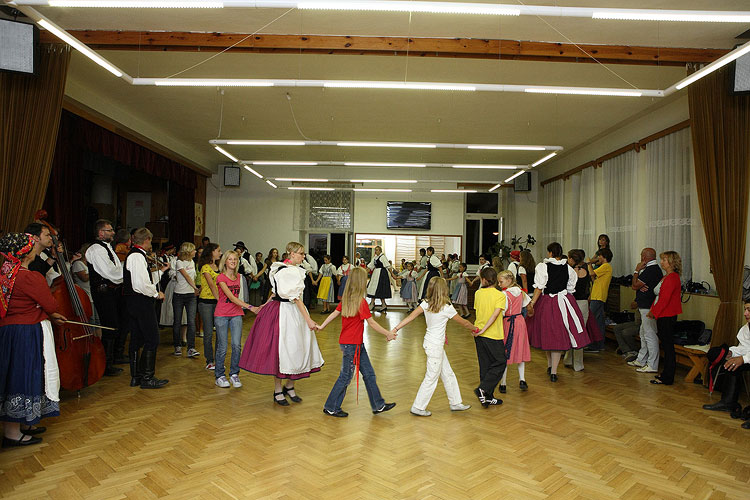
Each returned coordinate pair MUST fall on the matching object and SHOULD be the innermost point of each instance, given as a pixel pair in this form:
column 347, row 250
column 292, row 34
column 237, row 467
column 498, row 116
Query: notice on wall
column 198, row 219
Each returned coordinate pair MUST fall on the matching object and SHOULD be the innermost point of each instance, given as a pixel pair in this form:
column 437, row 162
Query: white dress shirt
column 743, row 349
column 139, row 275
column 97, row 256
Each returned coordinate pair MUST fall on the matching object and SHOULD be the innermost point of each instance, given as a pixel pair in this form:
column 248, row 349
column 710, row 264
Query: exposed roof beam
column 384, row 45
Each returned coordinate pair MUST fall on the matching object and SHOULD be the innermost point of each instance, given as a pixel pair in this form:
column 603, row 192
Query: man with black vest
column 105, row 278
column 140, row 296
column 645, row 278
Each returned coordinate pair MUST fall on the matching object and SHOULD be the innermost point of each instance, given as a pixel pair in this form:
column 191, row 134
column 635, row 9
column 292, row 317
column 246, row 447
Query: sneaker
column 420, row 413
column 385, row 408
column 460, row 407
column 222, row 382
column 480, row 395
column 177, row 351
column 210, row 366
column 646, row 369
column 339, row 413
column 235, row 380
column 636, row 364
column 192, row 353
column 631, row 356
column 493, row 402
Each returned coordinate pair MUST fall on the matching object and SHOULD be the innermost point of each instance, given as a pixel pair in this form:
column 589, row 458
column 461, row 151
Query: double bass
column 80, row 354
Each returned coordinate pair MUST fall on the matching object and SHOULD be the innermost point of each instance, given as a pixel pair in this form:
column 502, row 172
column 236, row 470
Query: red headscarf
column 13, row 246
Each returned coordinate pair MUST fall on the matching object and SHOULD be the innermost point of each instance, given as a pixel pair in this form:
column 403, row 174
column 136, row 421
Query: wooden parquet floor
column 604, row 433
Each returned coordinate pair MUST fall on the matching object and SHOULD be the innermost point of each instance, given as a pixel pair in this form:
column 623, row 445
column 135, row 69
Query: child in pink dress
column 516, row 338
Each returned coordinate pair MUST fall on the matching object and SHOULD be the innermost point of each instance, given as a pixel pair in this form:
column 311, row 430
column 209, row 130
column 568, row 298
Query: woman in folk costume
column 342, row 275
column 29, row 378
column 325, row 283
column 380, row 284
column 409, row 286
column 555, row 323
column 433, row 269
column 281, row 342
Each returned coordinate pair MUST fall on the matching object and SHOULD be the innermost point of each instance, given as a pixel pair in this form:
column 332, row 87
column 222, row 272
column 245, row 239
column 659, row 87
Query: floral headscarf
column 13, row 246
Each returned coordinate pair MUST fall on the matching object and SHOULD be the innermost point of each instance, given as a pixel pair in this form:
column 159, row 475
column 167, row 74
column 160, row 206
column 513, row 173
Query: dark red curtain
column 181, row 208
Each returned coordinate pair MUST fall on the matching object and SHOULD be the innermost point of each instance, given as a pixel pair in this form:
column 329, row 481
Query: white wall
column 447, row 212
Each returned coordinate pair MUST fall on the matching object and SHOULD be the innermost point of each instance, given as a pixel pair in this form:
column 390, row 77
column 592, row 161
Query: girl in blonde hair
column 516, row 337
column 281, row 342
column 437, row 311
column 355, row 312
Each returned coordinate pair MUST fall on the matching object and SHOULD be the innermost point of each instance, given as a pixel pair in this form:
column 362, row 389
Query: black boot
column 147, row 365
column 729, row 396
column 109, row 350
column 135, row 374
column 120, row 357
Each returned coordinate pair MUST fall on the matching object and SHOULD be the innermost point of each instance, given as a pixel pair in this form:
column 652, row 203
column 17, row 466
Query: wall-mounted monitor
column 408, row 215
column 19, row 47
column 742, row 74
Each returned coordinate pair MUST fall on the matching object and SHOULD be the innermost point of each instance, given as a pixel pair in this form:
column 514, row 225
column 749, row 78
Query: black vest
column 96, row 279
column 557, row 278
column 127, row 280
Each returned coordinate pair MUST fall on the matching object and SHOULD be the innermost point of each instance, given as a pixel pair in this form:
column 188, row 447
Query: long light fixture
column 353, row 84
column 506, row 147
column 83, row 49
column 514, row 176
column 452, row 191
column 387, row 145
column 304, row 188
column 286, row 163
column 261, row 143
column 271, row 184
column 298, row 179
column 367, row 144
column 372, row 190
column 584, row 91
column 490, row 167
column 495, row 187
column 382, row 164
column 710, row 68
column 539, row 162
column 705, row 16
column 400, row 6
column 256, row 174
column 208, row 82
column 226, row 153
column 394, row 181
column 140, row 4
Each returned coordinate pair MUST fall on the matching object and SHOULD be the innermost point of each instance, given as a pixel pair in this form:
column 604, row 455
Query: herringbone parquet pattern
column 605, row 433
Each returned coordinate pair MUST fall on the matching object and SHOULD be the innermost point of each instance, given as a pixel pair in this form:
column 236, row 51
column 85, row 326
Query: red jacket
column 668, row 303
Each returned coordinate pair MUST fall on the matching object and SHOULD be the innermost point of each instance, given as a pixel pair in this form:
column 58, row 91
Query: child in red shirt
column 355, row 312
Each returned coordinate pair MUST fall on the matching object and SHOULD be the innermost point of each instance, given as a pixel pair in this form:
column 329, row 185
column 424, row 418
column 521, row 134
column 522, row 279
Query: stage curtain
column 181, row 209
column 721, row 148
column 29, row 117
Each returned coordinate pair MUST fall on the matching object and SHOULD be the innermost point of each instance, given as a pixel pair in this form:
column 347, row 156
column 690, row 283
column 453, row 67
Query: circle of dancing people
column 552, row 306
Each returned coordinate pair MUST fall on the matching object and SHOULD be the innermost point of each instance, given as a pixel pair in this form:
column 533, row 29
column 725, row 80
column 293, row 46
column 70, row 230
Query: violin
column 80, row 354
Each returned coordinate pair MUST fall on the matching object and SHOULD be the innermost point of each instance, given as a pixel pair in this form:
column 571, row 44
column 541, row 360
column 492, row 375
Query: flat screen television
column 19, row 47
column 742, row 75
column 408, row 215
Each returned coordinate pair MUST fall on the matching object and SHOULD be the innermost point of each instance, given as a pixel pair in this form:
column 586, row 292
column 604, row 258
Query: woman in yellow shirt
column 209, row 269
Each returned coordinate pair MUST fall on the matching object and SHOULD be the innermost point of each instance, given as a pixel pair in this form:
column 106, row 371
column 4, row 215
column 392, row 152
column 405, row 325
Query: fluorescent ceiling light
column 514, row 176
column 209, row 82
column 142, row 4
column 226, row 153
column 370, row 190
column 301, row 188
column 382, row 164
column 266, row 143
column 271, row 184
column 671, row 15
column 400, row 6
column 722, row 61
column 295, row 179
column 290, row 163
column 452, row 191
column 400, row 85
column 253, row 172
column 495, row 187
column 539, row 162
column 583, row 91
column 496, row 167
column 386, row 145
column 509, row 147
column 402, row 181
column 62, row 35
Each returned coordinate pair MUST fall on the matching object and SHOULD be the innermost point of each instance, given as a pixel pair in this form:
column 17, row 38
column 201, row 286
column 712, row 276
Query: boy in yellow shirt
column 602, row 276
column 489, row 303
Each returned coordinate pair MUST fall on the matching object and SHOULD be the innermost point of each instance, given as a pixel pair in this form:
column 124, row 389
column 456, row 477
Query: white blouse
column 540, row 274
column 288, row 282
column 383, row 260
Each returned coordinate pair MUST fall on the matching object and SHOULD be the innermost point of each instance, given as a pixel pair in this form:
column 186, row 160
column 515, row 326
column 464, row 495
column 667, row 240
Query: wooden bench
column 694, row 359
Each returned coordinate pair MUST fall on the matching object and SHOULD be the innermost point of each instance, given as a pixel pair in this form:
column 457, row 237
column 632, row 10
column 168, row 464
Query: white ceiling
column 191, row 116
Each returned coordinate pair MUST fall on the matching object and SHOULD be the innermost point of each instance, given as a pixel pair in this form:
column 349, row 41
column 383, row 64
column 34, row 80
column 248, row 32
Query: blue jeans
column 223, row 325
column 189, row 302
column 336, row 397
column 597, row 309
column 206, row 310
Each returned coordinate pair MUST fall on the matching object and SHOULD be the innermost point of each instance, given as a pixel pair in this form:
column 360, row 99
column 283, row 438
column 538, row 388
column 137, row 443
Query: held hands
column 530, row 310
column 391, row 335
column 57, row 318
column 477, row 332
column 650, row 315
column 160, row 296
column 312, row 325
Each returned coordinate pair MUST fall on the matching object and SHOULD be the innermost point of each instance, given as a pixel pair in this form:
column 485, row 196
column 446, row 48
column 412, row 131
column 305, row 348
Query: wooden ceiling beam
column 383, row 45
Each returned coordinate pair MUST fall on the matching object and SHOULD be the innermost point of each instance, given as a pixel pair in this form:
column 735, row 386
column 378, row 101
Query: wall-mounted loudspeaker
column 231, row 176
column 522, row 182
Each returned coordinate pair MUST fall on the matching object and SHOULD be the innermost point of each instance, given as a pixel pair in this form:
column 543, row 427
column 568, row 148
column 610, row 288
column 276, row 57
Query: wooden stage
column 604, row 433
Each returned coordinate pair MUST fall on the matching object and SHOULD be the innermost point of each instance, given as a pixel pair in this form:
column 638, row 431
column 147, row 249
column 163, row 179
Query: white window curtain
column 620, row 187
column 508, row 213
column 552, row 229
column 668, row 167
column 584, row 211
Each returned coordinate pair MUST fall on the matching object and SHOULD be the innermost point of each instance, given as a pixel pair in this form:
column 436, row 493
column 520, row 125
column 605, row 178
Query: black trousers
column 107, row 303
column 144, row 326
column 491, row 356
column 124, row 328
column 665, row 331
